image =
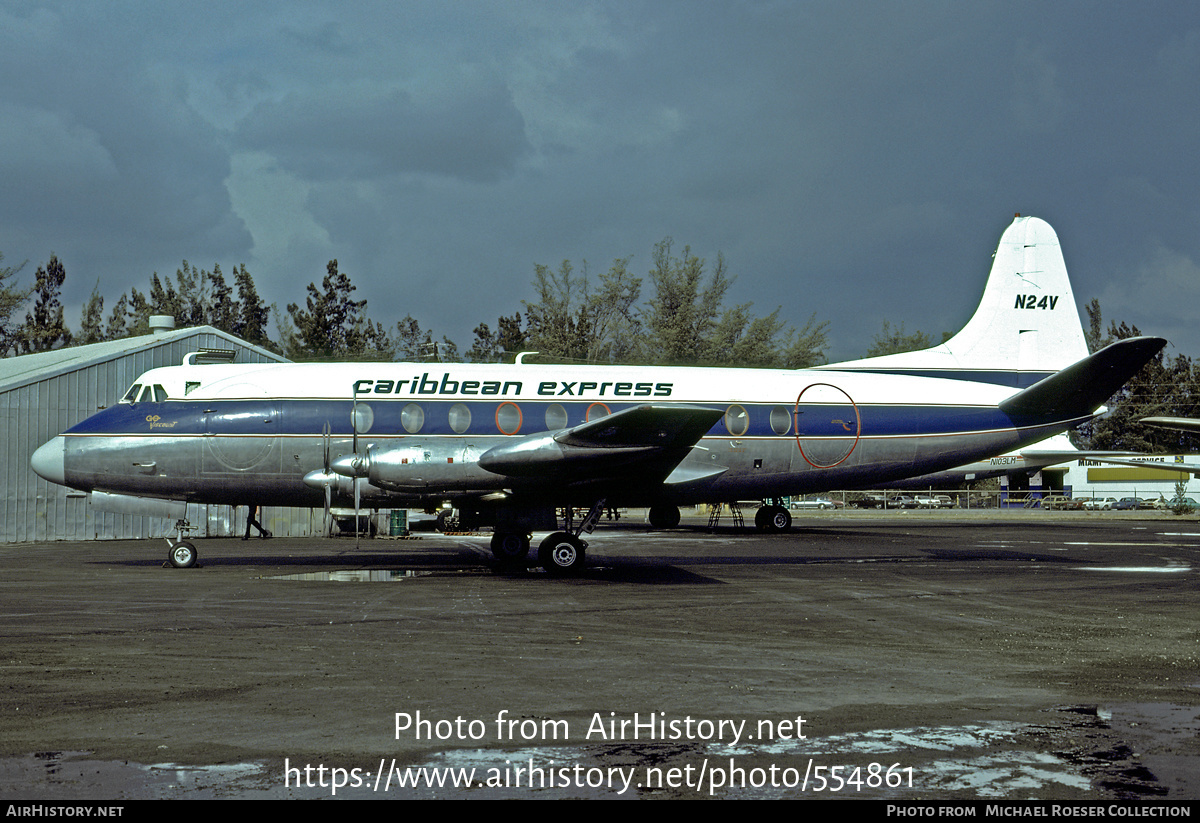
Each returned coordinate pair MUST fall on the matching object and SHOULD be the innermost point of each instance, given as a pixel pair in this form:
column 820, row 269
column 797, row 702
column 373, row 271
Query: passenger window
column 460, row 418
column 412, row 418
column 362, row 418
column 556, row 417
column 781, row 420
column 508, row 418
column 737, row 422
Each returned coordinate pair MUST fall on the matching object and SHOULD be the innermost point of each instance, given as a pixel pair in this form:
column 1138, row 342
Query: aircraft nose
column 48, row 461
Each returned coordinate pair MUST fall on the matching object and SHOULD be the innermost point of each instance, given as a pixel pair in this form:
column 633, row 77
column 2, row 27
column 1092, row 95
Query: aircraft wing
column 656, row 437
column 1187, row 424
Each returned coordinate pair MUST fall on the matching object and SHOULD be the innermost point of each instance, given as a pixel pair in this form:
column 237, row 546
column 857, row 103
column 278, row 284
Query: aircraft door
column 827, row 424
column 241, row 437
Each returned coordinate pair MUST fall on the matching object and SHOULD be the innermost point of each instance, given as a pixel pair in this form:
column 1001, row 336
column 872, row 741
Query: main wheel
column 446, row 521
column 509, row 547
column 762, row 518
column 561, row 554
column 780, row 519
column 663, row 517
column 183, row 555
column 772, row 519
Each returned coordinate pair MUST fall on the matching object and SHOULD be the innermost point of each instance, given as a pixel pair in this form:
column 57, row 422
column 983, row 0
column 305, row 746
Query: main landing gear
column 561, row 554
column 773, row 518
column 663, row 517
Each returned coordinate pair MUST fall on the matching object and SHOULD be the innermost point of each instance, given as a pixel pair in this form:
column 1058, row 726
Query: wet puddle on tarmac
column 1080, row 752
column 354, row 576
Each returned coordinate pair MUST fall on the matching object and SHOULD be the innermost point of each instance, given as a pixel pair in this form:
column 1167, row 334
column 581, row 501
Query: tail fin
column 1025, row 328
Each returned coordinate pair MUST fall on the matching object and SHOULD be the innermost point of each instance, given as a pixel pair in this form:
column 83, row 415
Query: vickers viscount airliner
column 507, row 445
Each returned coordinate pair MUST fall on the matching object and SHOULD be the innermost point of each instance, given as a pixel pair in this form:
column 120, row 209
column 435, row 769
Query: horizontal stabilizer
column 1078, row 390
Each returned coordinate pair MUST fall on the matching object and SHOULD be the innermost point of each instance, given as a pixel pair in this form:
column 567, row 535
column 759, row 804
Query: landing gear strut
column 182, row 554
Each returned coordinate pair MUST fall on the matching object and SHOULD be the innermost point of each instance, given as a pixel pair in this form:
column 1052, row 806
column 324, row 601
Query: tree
column 807, row 346
column 509, row 338
column 557, row 324
column 11, row 300
column 91, row 328
column 118, row 320
column 894, row 341
column 332, row 324
column 44, row 328
column 685, row 322
column 1163, row 388
column 682, row 315
column 252, row 314
column 221, row 310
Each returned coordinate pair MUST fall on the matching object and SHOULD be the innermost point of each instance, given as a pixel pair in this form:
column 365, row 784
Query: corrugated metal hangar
column 46, row 393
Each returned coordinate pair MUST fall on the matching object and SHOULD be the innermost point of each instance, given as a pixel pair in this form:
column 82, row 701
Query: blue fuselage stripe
column 489, row 418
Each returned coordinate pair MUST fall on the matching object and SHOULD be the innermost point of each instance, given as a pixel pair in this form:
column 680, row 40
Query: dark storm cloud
column 329, row 133
column 857, row 161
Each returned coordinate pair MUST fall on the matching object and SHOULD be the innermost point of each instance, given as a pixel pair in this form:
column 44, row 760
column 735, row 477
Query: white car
column 815, row 503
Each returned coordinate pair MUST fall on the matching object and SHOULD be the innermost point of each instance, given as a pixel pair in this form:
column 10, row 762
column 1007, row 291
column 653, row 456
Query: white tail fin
column 1026, row 327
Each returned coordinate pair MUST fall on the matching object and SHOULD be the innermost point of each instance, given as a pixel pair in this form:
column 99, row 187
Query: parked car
column 1097, row 504
column 1129, row 504
column 1059, row 502
column 869, row 501
column 814, row 503
column 1184, row 504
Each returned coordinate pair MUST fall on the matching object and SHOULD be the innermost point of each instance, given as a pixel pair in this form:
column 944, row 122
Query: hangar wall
column 1155, row 479
column 46, row 393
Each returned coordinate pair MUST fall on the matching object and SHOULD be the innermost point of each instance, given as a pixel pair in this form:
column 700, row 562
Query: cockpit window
column 145, row 394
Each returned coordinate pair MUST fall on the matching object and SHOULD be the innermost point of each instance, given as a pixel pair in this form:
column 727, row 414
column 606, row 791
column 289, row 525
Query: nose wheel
column 182, row 554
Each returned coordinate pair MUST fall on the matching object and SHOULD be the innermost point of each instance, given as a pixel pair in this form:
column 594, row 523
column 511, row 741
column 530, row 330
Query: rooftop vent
column 161, row 323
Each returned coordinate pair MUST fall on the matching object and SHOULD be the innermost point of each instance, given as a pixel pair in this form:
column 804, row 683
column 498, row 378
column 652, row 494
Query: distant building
column 43, row 394
column 1156, row 478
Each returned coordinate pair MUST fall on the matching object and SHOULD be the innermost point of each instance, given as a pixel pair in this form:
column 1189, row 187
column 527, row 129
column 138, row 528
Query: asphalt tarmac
column 939, row 655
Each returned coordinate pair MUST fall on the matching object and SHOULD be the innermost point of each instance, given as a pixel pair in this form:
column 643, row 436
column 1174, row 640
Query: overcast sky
column 857, row 160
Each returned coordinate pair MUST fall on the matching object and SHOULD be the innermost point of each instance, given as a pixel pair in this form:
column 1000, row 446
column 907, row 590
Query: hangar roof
column 29, row 368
